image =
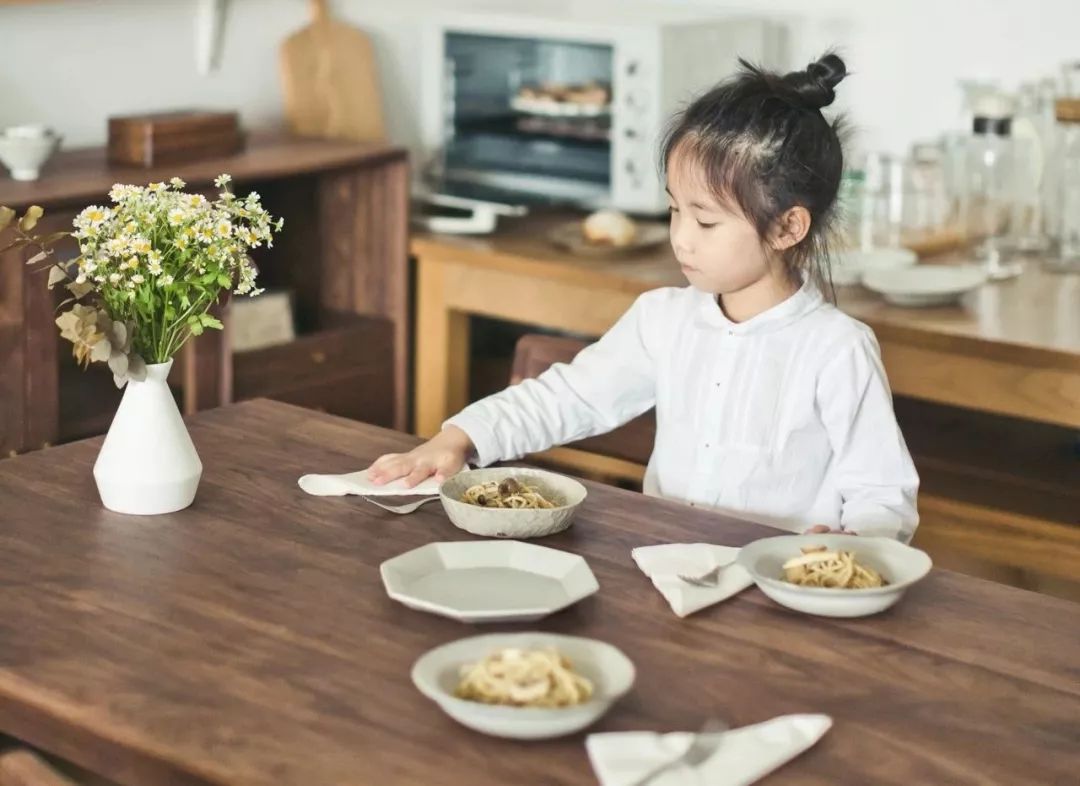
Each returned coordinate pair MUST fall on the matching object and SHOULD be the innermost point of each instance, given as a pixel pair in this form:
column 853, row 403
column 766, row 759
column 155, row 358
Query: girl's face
column 718, row 249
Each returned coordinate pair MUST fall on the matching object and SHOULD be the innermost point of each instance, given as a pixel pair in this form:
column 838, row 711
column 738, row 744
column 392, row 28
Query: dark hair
column 762, row 142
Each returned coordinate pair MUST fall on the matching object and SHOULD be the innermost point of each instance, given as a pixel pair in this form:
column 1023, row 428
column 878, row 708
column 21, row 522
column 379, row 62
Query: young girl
column 771, row 404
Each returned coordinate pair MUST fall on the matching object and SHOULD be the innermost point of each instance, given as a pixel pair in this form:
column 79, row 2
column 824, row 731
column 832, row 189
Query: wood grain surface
column 248, row 640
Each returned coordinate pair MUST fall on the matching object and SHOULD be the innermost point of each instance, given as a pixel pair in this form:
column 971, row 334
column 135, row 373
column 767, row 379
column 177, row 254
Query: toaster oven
column 570, row 110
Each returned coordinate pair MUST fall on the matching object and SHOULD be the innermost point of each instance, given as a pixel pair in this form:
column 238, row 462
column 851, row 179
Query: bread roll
column 609, row 227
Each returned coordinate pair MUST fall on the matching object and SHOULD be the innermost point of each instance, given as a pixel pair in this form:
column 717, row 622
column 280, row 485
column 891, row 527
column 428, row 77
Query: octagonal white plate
column 488, row 580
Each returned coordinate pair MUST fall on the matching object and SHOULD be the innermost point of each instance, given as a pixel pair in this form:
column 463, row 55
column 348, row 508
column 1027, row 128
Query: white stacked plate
column 925, row 285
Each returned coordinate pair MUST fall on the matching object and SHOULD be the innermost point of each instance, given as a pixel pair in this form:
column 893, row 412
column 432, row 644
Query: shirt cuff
column 878, row 523
column 481, row 435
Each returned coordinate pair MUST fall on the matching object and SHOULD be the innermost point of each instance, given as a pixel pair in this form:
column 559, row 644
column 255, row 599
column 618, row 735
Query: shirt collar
column 801, row 303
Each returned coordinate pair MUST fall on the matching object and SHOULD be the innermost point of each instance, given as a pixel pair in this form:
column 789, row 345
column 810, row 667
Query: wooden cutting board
column 330, row 82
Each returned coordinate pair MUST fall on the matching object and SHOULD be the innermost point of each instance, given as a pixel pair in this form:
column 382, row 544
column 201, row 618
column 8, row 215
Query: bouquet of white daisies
column 150, row 266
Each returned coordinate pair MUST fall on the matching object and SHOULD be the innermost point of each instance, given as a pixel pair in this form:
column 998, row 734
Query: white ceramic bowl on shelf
column 25, row 149
column 851, row 265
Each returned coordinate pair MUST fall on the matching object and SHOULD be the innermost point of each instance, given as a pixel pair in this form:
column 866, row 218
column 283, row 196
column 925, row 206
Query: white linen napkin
column 744, row 755
column 358, row 483
column 664, row 563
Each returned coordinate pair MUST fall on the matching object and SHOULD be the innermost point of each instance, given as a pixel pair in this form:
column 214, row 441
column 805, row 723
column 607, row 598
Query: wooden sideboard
column 342, row 255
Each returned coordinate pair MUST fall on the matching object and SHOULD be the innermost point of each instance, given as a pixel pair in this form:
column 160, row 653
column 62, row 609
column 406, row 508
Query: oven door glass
column 527, row 116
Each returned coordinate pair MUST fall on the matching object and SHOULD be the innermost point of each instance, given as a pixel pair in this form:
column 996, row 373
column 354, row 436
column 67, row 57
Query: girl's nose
column 681, row 240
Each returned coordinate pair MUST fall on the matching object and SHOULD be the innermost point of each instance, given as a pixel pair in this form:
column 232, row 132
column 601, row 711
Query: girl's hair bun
column 816, row 86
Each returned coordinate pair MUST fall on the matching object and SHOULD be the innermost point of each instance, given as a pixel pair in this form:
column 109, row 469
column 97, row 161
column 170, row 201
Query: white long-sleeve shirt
column 785, row 418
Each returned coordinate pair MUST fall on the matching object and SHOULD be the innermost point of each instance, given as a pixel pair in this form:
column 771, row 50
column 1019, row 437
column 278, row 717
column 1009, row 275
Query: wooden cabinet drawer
column 344, row 370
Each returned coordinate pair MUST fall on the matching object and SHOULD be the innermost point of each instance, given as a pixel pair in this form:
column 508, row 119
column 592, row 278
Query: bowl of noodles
column 511, row 502
column 524, row 685
column 834, row 575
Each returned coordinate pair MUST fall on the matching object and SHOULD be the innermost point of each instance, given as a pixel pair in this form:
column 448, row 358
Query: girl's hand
column 442, row 456
column 823, row 529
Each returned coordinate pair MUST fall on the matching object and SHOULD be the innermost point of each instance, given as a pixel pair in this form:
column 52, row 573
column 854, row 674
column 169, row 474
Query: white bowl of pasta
column 834, row 575
column 511, row 502
column 524, row 686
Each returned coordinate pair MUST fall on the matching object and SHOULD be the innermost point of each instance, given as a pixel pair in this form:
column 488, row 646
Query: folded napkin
column 663, row 564
column 358, row 483
column 744, row 755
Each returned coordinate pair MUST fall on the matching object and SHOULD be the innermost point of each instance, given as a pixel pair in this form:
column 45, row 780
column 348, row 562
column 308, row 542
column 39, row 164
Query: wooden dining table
column 248, row 640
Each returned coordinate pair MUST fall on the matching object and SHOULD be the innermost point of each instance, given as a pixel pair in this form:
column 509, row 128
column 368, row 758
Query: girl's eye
column 706, row 226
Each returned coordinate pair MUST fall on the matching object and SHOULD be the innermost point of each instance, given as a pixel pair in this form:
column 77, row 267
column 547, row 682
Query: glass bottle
column 1030, row 139
column 1068, row 257
column 989, row 185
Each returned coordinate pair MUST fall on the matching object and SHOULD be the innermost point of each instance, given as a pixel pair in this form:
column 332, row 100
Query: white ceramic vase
column 148, row 464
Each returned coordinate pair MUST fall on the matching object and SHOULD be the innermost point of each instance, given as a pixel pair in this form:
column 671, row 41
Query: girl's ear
column 790, row 228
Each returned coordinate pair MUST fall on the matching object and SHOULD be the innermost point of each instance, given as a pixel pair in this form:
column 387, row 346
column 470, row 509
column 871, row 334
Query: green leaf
column 224, row 281
column 196, row 329
column 211, row 322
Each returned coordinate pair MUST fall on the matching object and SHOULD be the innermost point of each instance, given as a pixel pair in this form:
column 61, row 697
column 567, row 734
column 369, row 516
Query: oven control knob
column 636, row 100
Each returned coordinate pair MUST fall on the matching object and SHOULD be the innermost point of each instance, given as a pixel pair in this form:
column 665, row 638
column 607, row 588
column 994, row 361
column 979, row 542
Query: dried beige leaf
column 118, row 364
column 30, row 218
column 119, row 334
column 80, row 290
column 101, row 350
column 56, row 275
column 68, row 323
column 136, row 368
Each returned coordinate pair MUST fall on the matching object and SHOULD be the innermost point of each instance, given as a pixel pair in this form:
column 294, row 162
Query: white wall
column 71, row 63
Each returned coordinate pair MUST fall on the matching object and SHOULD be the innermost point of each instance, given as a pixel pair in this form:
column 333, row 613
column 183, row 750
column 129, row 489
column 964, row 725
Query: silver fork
column 401, row 510
column 710, row 578
column 705, row 743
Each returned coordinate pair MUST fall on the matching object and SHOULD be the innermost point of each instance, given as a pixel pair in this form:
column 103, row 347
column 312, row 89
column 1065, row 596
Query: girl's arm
column 607, row 384
column 874, row 471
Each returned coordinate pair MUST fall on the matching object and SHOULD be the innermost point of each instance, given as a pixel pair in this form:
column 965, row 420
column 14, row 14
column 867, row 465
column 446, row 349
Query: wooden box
column 173, row 137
